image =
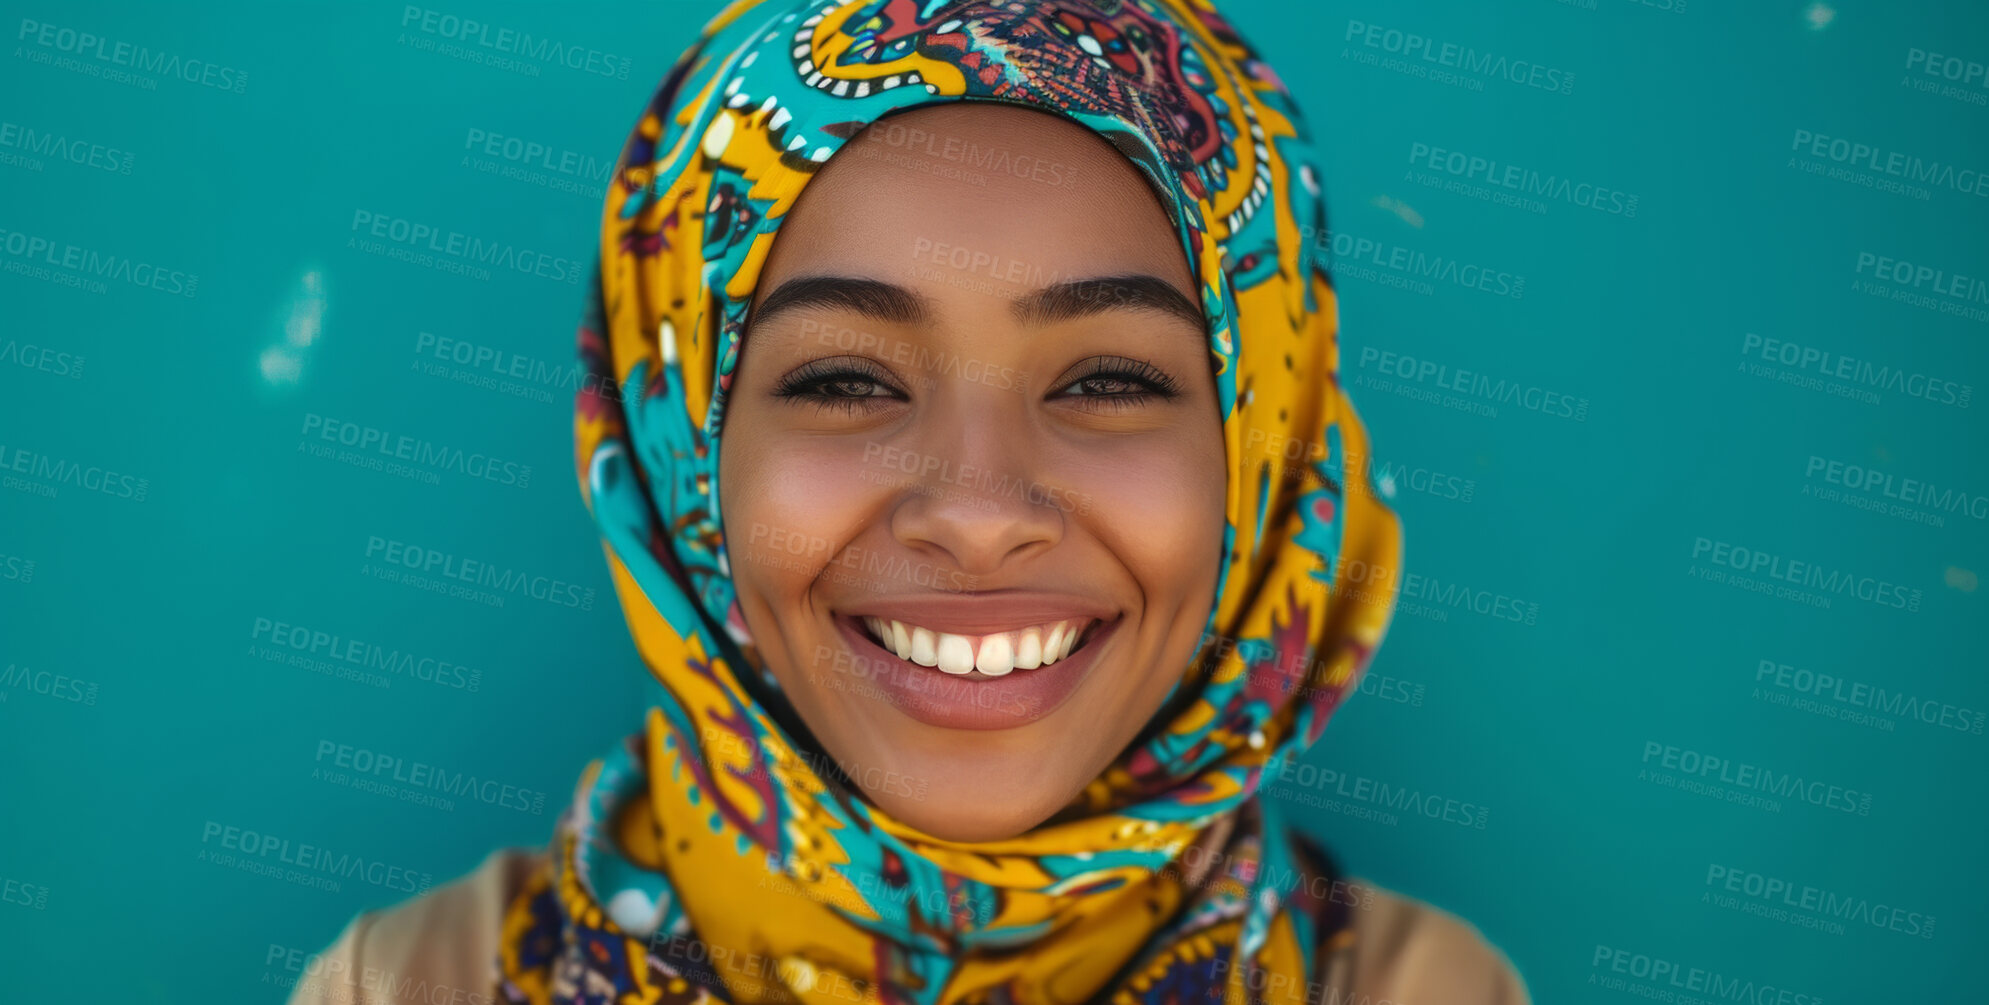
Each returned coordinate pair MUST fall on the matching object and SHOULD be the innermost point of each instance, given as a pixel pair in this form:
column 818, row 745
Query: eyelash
column 1159, row 383
column 808, row 381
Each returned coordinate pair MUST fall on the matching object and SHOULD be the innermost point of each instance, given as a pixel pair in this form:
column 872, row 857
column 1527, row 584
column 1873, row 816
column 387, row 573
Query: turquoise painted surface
column 1591, row 414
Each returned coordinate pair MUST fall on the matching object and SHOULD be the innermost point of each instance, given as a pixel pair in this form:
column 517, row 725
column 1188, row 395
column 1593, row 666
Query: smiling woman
column 1069, row 623
column 940, row 506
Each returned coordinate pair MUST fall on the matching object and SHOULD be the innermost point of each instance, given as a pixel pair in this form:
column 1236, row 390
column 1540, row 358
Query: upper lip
column 983, row 613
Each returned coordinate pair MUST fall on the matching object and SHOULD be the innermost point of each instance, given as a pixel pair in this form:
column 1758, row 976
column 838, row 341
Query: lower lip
column 966, row 701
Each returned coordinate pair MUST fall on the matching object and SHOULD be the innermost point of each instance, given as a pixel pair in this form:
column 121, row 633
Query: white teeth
column 1029, row 649
column 994, row 654
column 956, row 654
column 996, row 657
column 1053, row 646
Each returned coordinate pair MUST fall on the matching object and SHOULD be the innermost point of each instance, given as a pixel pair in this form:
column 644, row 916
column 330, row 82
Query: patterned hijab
column 714, row 856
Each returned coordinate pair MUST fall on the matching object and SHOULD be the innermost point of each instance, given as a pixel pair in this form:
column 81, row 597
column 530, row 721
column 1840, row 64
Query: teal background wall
column 1735, row 367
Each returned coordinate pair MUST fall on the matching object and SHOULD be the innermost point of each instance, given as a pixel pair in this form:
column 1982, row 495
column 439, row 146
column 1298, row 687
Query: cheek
column 1159, row 507
column 790, row 505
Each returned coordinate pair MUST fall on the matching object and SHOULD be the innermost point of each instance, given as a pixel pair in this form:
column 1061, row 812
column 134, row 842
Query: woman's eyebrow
column 1081, row 298
column 871, row 298
column 1065, row 301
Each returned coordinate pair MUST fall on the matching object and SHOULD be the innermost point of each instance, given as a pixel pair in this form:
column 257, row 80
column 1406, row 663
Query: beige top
column 441, row 947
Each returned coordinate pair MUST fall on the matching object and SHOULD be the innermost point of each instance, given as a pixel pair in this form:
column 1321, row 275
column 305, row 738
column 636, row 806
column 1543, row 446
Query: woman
column 1014, row 596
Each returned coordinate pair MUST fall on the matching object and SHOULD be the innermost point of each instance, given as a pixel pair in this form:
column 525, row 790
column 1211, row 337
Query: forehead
column 976, row 196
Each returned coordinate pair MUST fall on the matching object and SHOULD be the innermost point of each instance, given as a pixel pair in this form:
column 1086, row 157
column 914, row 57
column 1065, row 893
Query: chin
column 965, row 813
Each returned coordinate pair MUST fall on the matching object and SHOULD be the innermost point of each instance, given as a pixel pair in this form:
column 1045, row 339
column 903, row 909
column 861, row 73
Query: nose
column 977, row 499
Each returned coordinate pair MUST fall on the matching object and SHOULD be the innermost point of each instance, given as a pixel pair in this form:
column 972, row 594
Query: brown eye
column 849, row 384
column 1121, row 382
column 849, row 387
column 1106, row 385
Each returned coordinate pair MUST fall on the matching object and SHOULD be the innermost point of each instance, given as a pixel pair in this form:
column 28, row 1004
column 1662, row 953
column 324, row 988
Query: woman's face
column 972, row 468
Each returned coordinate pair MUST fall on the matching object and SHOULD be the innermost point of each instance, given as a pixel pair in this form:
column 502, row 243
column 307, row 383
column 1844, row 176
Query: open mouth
column 993, row 655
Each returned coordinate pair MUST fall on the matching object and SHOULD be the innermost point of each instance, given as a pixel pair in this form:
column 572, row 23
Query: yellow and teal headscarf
column 713, row 856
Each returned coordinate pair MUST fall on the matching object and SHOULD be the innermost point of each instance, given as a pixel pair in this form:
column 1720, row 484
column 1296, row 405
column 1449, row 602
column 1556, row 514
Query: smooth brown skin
column 1131, row 492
